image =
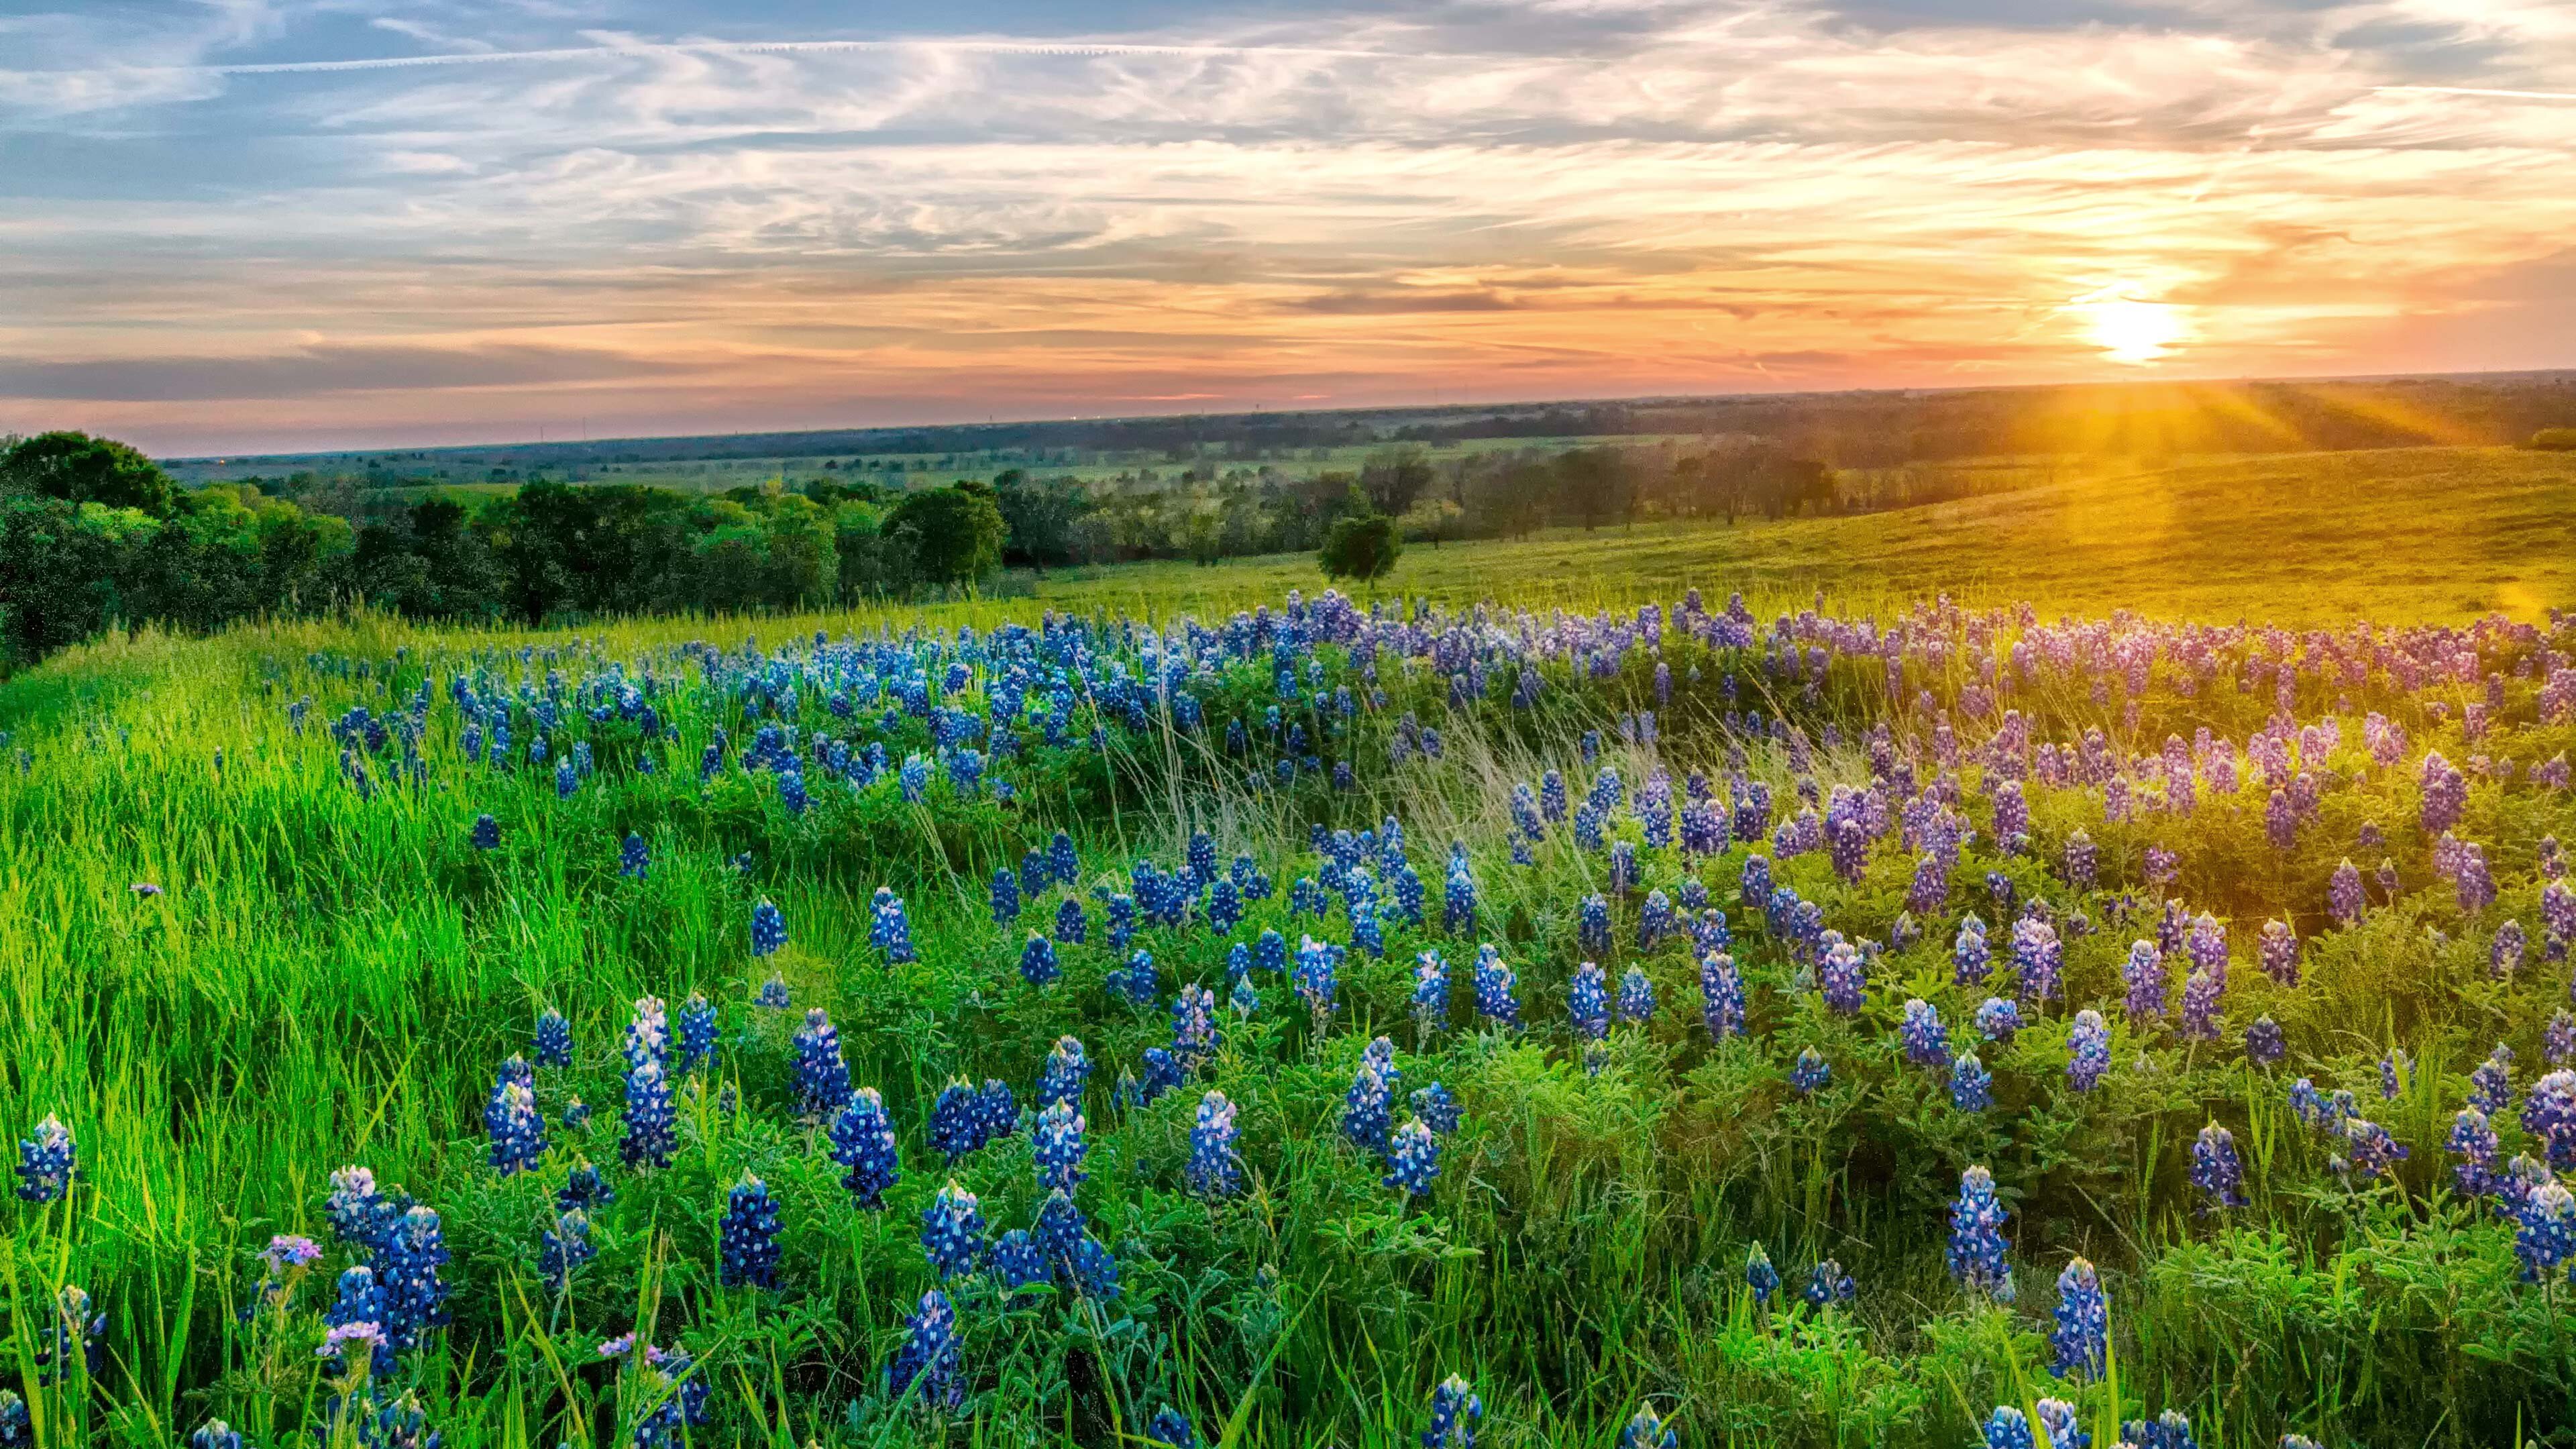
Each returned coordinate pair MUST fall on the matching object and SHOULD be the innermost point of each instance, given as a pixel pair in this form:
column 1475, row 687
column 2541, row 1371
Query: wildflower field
column 1691, row 1021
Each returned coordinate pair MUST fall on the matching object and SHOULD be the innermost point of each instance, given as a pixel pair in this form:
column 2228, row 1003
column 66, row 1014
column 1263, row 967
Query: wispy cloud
column 712, row 217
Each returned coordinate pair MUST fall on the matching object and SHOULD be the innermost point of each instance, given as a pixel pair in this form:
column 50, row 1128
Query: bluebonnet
column 2343, row 894
column 1063, row 1075
column 2088, row 1050
column 2037, row 956
column 2278, row 951
column 1999, row 1019
column 1214, row 1170
column 1137, row 980
column 1430, row 991
column 1926, row 1041
column 1810, row 1071
column 1071, row 925
column 1654, row 920
column 2080, row 861
column 2558, row 1039
column 1270, row 951
column 1058, row 1146
column 1413, row 1160
column 212, row 1434
column 822, row 1077
column 1455, row 1413
column 1623, row 868
column 2545, row 1230
column 651, row 1134
column 2371, row 1150
column 1979, row 1257
column 2083, row 1314
column 1066, row 863
column 914, row 778
column 889, row 929
column 1844, row 978
column 1368, row 1107
column 2144, row 975
column 2549, row 1115
column 1931, row 888
column 862, row 1141
column 415, row 1294
column 2064, row 1430
column 926, row 1369
column 2168, row 1430
column 697, row 1033
column 2200, row 1000
column 1171, row 1429
column 2473, row 1141
column 1037, row 960
column 2264, row 1044
column 1005, row 896
column 1972, row 957
column 633, row 861
column 48, row 1159
column 486, row 834
column 1972, row 1087
column 1645, row 1428
column 1318, row 978
column 1587, row 1003
column 952, row 1231
column 1759, row 1275
column 2491, row 1085
column 1636, row 996
column 768, row 929
column 1194, row 1030
column 1495, row 996
column 1458, row 906
column 1828, row 1284
column 772, row 994
column 360, row 1301
column 1592, row 923
column 957, row 1121
column 511, row 1119
column 1438, row 1110
column 2008, row 1428
column 553, row 1045
column 747, row 1239
column 1721, row 996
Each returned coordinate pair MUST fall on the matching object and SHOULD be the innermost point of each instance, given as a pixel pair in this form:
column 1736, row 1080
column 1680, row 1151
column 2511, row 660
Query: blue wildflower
column 952, row 1231
column 553, row 1045
column 926, row 1369
column 1059, row 1146
column 747, row 1239
column 768, row 929
column 633, row 861
column 1759, row 1275
column 1972, row 1087
column 1979, row 1257
column 2083, row 1321
column 862, row 1141
column 47, row 1161
column 1495, row 997
column 1455, row 1413
column 822, row 1077
column 1413, row 1160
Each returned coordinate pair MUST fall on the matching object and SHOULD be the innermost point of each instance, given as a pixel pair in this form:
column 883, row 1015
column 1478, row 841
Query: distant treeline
column 1844, row 429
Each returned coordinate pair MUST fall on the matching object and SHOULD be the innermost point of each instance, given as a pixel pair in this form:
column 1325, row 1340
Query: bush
column 1360, row 546
column 2555, row 440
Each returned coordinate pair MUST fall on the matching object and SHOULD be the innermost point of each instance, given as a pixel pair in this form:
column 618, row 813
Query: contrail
column 1070, row 49
column 2477, row 91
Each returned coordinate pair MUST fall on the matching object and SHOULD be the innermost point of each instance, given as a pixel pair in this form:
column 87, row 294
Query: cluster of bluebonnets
column 1950, row 853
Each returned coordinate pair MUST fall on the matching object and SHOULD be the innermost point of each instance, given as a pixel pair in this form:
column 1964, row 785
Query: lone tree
column 1361, row 544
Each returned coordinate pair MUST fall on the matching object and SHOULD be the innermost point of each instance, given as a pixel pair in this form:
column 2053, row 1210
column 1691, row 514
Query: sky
column 262, row 225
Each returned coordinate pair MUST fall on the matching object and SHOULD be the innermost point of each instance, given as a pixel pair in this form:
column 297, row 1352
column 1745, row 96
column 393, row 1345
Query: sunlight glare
column 2128, row 330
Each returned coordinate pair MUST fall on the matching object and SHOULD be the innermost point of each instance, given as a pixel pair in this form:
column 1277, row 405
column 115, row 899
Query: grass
column 332, row 975
column 2300, row 539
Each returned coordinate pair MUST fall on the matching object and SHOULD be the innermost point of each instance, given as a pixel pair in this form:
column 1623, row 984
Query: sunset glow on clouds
column 223, row 232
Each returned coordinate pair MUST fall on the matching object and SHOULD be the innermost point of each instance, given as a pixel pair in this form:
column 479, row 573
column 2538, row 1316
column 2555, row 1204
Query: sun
column 2128, row 330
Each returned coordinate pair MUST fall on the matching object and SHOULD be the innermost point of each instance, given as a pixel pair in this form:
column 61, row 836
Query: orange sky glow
column 225, row 239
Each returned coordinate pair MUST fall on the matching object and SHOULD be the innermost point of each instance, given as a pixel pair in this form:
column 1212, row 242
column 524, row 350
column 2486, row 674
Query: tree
column 1395, row 477
column 1360, row 544
column 954, row 534
column 1043, row 519
column 78, row 468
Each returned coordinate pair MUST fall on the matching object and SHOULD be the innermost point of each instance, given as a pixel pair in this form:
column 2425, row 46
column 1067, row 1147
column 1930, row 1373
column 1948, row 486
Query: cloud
column 1556, row 195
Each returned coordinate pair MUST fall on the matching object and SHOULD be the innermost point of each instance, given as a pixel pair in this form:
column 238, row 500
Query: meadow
column 1176, row 1009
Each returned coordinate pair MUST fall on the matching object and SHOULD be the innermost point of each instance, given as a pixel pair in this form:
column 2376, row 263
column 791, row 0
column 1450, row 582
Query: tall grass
column 327, row 978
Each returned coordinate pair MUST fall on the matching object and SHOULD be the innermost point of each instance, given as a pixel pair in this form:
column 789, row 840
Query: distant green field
column 2307, row 538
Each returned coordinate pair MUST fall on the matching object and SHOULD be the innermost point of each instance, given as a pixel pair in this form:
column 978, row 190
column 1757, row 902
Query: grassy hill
column 2302, row 538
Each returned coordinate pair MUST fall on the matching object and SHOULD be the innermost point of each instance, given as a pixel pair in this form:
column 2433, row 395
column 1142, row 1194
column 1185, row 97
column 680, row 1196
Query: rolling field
column 2301, row 539
column 1904, row 1024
